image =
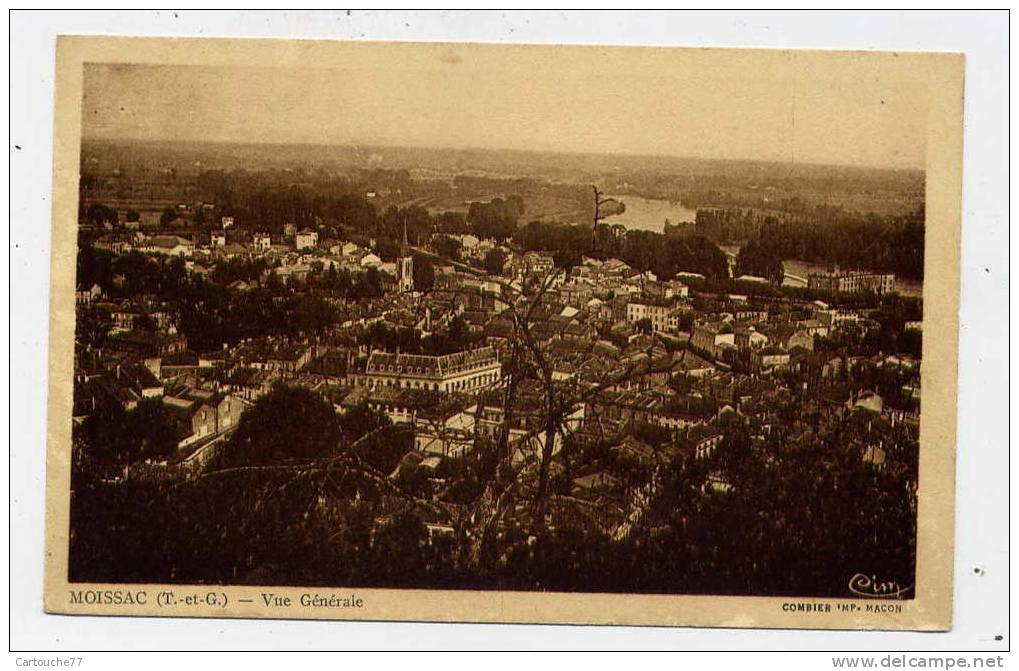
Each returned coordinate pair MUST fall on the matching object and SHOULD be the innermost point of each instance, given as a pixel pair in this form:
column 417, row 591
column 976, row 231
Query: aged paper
column 503, row 333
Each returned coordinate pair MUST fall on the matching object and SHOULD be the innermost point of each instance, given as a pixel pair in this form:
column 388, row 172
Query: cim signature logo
column 870, row 587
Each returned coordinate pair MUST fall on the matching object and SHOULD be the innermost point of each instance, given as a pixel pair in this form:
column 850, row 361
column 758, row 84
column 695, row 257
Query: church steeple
column 405, row 264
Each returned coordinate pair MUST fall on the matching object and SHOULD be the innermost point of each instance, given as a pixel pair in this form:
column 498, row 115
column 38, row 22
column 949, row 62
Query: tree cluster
column 454, row 337
column 664, row 255
column 112, row 436
column 288, row 423
column 829, row 236
column 210, row 314
column 496, row 219
column 759, row 259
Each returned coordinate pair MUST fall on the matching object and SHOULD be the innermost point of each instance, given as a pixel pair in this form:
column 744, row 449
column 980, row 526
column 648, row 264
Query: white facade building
column 261, row 242
column 469, row 371
column 306, row 239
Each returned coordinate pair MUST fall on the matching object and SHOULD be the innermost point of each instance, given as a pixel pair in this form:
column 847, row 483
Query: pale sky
column 769, row 106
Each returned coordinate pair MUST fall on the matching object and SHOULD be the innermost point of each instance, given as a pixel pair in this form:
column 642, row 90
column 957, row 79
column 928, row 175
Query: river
column 649, row 214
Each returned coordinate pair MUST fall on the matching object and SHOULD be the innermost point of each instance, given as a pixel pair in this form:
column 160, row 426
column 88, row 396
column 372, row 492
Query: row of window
column 472, row 382
column 406, row 384
column 475, row 382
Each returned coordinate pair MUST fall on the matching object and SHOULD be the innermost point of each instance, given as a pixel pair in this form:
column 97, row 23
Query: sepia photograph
column 361, row 322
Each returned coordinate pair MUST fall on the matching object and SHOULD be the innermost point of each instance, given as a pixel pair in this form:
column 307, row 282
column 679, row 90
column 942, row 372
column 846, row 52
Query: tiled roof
column 432, row 366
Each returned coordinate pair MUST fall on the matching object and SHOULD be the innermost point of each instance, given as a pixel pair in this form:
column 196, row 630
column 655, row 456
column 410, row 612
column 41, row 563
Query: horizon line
column 355, row 145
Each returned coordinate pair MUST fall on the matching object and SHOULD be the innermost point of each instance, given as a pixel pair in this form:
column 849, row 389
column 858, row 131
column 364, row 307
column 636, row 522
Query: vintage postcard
column 504, row 333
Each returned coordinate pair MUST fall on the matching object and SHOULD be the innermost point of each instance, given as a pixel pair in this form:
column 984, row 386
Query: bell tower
column 405, row 265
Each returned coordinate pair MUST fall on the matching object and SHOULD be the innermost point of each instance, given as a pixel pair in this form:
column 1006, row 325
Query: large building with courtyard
column 471, row 370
